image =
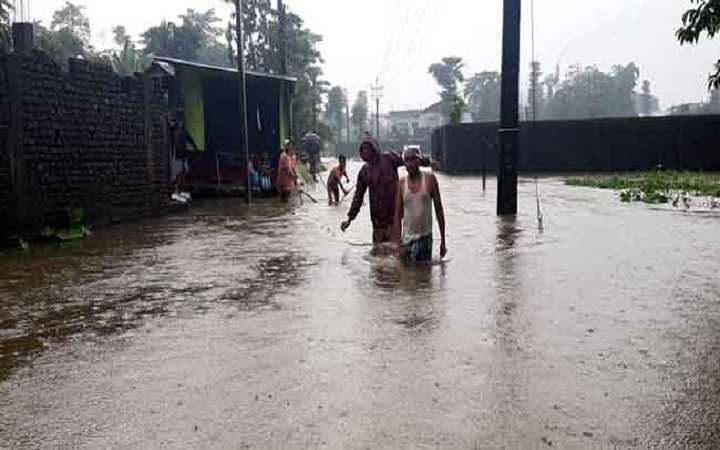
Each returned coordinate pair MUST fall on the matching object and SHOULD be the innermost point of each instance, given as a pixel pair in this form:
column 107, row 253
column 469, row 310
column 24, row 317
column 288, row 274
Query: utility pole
column 377, row 92
column 347, row 115
column 283, row 38
column 242, row 97
column 508, row 133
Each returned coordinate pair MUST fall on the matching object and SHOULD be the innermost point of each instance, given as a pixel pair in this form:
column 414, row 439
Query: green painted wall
column 192, row 97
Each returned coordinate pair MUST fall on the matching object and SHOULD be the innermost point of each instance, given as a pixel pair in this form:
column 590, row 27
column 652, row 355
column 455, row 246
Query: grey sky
column 399, row 39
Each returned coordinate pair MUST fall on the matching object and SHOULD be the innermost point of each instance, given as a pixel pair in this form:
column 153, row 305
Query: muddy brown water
column 229, row 327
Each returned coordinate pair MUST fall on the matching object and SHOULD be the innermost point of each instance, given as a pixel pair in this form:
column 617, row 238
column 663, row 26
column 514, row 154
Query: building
column 415, row 123
column 207, row 100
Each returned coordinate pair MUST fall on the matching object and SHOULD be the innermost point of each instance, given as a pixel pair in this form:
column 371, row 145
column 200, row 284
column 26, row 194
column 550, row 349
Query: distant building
column 415, row 122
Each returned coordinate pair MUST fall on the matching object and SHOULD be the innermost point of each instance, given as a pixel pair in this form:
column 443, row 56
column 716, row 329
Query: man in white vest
column 416, row 194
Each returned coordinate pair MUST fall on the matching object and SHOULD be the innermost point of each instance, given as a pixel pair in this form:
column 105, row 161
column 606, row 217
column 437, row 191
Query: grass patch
column 654, row 187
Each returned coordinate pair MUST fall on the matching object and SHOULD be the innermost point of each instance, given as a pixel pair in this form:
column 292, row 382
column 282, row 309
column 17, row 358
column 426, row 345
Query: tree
column 129, row 60
column 648, row 104
column 336, row 110
column 72, row 20
column 5, row 8
column 483, row 93
column 536, row 96
column 704, row 18
column 588, row 92
column 448, row 74
column 60, row 45
column 262, row 44
column 360, row 111
column 713, row 107
column 196, row 34
column 120, row 35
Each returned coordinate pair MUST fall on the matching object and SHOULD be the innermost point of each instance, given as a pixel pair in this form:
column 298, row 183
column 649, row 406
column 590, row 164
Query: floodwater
column 228, row 327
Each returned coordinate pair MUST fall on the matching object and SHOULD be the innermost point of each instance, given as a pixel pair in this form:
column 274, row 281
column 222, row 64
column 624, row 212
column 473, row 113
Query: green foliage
column 61, row 44
column 360, row 111
column 196, row 33
column 72, row 20
column 648, row 103
column 129, row 60
column 588, row 93
column 71, row 228
column 263, row 42
column 654, row 187
column 447, row 74
column 703, row 18
column 457, row 109
column 536, row 95
column 336, row 104
column 5, row 8
column 482, row 91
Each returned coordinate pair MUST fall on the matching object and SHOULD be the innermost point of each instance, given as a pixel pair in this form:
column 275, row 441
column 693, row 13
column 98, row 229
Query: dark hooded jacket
column 381, row 177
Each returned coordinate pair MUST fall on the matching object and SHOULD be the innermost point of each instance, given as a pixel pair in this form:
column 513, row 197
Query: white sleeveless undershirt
column 417, row 211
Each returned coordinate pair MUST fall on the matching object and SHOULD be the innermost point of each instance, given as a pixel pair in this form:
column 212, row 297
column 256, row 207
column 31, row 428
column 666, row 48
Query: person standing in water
column 334, row 181
column 413, row 225
column 286, row 176
column 380, row 176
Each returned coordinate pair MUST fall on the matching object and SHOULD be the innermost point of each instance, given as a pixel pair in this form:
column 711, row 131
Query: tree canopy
column 448, row 74
column 704, row 18
column 5, row 8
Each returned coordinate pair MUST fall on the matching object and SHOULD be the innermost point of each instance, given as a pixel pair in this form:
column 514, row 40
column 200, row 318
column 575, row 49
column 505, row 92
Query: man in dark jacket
column 380, row 176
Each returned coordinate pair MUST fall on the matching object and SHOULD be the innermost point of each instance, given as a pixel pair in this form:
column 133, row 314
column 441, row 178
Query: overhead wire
column 391, row 39
column 534, row 103
column 398, row 41
column 405, row 55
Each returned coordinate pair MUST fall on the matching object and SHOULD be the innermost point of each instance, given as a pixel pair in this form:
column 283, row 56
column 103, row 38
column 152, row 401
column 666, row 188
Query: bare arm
column 439, row 213
column 399, row 209
column 357, row 199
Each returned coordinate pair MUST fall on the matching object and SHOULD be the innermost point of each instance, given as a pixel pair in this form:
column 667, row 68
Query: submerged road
column 224, row 327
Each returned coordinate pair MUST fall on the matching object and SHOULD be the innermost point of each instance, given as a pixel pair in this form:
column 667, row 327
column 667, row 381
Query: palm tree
column 129, row 60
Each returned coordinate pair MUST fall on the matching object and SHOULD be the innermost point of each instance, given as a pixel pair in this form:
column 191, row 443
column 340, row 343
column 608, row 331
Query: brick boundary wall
column 599, row 145
column 86, row 139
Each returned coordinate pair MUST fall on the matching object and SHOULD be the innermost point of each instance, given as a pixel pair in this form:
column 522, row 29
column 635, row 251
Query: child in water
column 334, row 183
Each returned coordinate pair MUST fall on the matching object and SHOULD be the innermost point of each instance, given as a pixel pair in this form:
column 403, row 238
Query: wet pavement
column 224, row 327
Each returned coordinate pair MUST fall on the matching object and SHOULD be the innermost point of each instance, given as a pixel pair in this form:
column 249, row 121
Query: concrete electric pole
column 377, row 92
column 508, row 133
column 242, row 97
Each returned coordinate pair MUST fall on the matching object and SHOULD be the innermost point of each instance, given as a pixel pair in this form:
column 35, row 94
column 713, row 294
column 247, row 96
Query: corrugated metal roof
column 180, row 62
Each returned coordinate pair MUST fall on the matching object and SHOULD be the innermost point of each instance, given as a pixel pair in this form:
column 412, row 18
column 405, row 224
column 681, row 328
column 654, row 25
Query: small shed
column 208, row 99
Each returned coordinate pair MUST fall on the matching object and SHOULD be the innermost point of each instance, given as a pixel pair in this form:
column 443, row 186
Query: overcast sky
column 398, row 39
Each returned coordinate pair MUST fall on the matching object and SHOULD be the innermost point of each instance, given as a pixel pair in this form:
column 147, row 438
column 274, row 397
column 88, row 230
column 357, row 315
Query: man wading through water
column 416, row 195
column 380, row 176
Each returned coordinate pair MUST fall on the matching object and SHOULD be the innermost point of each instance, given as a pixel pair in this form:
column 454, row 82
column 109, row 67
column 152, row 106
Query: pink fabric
column 286, row 173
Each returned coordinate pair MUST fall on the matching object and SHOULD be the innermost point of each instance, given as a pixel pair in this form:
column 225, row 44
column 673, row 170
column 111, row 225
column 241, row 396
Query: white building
column 415, row 122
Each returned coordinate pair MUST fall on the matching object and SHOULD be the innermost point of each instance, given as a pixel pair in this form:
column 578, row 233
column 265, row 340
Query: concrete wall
column 85, row 139
column 603, row 145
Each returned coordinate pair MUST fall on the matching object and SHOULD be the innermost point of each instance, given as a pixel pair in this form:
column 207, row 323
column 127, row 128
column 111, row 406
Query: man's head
column 288, row 145
column 368, row 149
column 413, row 158
column 342, row 160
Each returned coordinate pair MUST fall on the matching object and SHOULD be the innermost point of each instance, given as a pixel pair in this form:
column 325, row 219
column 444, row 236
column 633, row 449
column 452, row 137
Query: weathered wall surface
column 604, row 145
column 84, row 139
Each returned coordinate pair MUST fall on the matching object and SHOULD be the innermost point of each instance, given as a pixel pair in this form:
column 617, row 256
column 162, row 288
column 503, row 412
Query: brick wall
column 87, row 139
column 5, row 178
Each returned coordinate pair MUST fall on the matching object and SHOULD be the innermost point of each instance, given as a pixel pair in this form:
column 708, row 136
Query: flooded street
column 229, row 327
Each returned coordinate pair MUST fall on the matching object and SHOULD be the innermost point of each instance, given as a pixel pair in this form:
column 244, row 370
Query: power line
column 392, row 60
column 419, row 25
column 391, row 39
